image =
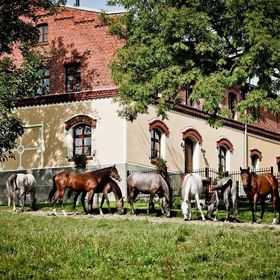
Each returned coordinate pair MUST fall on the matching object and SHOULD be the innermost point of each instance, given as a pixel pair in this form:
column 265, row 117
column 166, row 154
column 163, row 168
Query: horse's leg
column 262, row 207
column 226, row 201
column 253, row 210
column 108, row 202
column 198, row 206
column 132, row 196
column 83, row 197
column 33, row 200
column 62, row 206
column 276, row 207
column 75, row 201
column 22, row 200
column 151, row 202
column 234, row 206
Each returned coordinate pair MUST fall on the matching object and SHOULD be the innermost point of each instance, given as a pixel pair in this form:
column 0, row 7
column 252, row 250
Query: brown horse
column 80, row 182
column 108, row 186
column 258, row 187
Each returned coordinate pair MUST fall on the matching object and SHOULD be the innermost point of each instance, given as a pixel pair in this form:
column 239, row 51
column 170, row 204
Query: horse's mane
column 101, row 170
column 116, row 187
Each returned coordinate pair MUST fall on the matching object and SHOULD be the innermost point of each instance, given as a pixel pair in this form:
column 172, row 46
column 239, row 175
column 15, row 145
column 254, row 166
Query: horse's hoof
column 274, row 222
column 64, row 213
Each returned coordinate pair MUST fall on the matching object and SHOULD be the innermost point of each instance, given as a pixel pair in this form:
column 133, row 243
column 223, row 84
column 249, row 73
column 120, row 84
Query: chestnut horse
column 258, row 187
column 80, row 182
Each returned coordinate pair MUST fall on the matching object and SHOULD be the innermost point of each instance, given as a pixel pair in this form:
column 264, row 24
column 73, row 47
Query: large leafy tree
column 18, row 28
column 207, row 46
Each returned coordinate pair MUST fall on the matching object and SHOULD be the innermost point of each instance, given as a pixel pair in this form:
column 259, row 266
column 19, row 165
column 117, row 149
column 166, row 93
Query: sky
column 96, row 4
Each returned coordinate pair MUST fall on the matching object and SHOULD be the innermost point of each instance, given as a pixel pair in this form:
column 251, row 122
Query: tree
column 18, row 28
column 200, row 45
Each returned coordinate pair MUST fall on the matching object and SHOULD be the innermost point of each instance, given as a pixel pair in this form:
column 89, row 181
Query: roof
column 93, row 10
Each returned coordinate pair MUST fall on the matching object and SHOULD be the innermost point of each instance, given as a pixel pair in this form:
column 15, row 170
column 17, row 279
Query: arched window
column 159, row 131
column 256, row 157
column 222, row 164
column 80, row 139
column 225, row 148
column 155, row 143
column 191, row 144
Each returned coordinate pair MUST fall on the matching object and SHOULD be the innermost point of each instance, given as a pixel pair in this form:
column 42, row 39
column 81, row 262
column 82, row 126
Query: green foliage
column 17, row 82
column 160, row 164
column 204, row 45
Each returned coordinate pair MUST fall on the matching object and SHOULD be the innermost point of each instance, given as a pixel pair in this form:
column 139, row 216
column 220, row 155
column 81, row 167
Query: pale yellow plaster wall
column 108, row 136
column 139, row 141
column 270, row 149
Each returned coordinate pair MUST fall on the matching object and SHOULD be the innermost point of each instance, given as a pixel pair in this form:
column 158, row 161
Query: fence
column 175, row 179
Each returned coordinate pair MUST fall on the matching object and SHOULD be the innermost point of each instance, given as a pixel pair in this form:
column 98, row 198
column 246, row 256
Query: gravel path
column 152, row 219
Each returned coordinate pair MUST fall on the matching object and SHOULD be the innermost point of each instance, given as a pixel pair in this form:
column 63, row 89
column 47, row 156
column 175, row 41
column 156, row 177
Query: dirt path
column 153, row 219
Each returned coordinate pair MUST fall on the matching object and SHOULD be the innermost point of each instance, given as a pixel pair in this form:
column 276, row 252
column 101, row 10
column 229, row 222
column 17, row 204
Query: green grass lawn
column 43, row 247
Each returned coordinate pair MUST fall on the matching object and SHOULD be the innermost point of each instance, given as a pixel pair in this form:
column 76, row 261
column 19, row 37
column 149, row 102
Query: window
column 45, row 82
column 43, row 33
column 73, row 77
column 225, row 149
column 232, row 99
column 256, row 157
column 82, row 139
column 79, row 138
column 155, row 143
column 191, row 141
column 222, row 159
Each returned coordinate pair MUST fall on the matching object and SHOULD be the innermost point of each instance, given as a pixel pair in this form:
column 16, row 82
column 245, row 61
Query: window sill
column 72, row 160
column 42, row 43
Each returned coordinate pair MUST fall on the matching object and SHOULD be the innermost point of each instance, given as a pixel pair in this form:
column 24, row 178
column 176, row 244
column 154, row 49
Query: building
column 75, row 113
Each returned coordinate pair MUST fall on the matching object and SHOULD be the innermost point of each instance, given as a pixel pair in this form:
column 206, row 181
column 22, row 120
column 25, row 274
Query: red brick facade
column 76, row 36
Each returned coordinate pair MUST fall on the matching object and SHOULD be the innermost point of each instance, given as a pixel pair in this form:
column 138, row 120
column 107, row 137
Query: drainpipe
column 77, row 3
column 245, row 145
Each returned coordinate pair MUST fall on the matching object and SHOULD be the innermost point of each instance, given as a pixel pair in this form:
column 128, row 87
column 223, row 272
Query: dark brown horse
column 80, row 182
column 105, row 188
column 258, row 187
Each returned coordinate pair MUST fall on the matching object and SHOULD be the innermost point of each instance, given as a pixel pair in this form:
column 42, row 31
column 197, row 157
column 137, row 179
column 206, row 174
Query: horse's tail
column 53, row 190
column 11, row 186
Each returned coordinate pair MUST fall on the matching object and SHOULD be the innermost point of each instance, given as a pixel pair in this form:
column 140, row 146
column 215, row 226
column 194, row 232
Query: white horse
column 18, row 186
column 192, row 186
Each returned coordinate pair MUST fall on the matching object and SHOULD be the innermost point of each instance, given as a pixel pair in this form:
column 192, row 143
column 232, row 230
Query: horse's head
column 212, row 206
column 115, row 174
column 166, row 208
column 245, row 177
column 119, row 205
column 185, row 210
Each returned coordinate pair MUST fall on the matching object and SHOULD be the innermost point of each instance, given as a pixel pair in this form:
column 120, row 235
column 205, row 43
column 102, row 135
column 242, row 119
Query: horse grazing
column 109, row 186
column 192, row 186
column 258, row 187
column 112, row 186
column 84, row 183
column 227, row 188
column 18, row 186
column 149, row 184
